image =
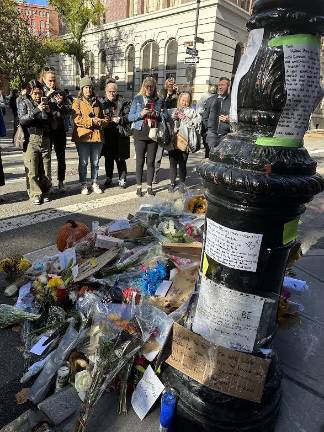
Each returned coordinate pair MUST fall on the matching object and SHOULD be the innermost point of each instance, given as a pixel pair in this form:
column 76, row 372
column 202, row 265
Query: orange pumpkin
column 70, row 233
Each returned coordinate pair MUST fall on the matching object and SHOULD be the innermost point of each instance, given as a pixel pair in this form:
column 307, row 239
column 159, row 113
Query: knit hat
column 85, row 81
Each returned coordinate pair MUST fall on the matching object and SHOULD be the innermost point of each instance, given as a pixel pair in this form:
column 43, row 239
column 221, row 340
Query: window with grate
column 102, row 63
column 150, row 60
column 130, row 67
column 171, row 59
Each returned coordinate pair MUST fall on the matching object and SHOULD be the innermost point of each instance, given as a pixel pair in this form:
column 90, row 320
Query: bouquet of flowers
column 49, row 289
column 13, row 267
column 115, row 352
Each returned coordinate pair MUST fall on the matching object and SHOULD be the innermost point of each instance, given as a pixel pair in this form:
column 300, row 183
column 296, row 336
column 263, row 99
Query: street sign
column 200, row 40
column 188, row 43
column 191, row 51
column 191, row 60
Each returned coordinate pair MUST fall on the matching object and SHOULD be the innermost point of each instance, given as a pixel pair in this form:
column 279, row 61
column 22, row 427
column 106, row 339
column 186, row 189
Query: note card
column 227, row 317
column 146, row 393
column 235, row 249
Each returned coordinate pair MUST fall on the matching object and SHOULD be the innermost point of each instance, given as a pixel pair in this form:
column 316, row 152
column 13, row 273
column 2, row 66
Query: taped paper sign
column 146, row 393
column 230, row 372
column 235, row 249
column 302, row 74
column 253, row 46
column 226, row 317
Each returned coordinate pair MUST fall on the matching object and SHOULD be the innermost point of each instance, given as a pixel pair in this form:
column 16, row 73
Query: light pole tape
column 279, row 142
column 297, row 39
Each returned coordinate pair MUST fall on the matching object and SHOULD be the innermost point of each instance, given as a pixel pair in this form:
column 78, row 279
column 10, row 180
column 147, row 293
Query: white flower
column 82, row 382
column 43, row 279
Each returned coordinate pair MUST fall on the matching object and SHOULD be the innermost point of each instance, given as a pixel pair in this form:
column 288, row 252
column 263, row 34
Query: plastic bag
column 165, row 133
column 10, row 315
column 157, row 327
column 42, row 384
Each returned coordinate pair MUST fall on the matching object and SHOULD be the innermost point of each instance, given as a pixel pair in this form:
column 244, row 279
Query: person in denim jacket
column 144, row 114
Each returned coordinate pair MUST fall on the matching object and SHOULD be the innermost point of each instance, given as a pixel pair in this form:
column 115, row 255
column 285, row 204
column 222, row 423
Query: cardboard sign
column 227, row 371
column 92, row 265
column 183, row 285
column 187, row 250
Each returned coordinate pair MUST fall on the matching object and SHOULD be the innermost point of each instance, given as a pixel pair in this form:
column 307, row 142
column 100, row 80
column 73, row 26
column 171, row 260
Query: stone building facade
column 150, row 37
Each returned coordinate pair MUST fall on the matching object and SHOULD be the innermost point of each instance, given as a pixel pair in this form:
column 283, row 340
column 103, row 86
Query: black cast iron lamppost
column 258, row 181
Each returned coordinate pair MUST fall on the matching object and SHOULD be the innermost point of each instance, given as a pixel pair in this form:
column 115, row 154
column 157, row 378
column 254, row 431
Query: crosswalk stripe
column 55, row 213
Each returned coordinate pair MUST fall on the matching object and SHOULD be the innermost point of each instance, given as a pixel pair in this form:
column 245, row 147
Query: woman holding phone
column 144, row 114
column 37, row 121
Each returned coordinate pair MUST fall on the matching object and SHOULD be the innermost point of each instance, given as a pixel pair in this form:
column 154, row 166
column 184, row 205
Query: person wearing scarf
column 88, row 136
column 144, row 114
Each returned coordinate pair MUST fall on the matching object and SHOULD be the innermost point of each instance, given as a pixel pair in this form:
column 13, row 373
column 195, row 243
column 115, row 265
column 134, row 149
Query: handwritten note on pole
column 227, row 371
column 235, row 249
column 302, row 73
column 146, row 393
column 226, row 317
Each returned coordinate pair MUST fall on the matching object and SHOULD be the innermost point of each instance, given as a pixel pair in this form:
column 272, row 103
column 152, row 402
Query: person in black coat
column 116, row 147
column 216, row 114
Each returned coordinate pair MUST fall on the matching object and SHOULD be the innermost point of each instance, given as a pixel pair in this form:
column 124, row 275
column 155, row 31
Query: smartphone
column 44, row 100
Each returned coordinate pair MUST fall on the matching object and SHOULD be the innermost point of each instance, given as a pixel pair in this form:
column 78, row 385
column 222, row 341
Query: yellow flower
column 23, row 264
column 55, row 282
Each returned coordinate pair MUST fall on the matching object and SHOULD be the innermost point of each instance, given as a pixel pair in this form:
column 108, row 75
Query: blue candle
column 168, row 406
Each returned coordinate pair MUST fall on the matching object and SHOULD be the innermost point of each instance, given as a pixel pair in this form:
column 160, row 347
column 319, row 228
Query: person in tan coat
column 88, row 136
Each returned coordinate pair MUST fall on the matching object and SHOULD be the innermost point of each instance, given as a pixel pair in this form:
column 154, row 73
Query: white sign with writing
column 226, row 317
column 253, row 46
column 302, row 74
column 235, row 249
column 146, row 393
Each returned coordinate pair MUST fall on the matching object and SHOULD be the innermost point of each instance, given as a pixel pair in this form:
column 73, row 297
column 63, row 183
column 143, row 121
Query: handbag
column 181, row 143
column 164, row 134
column 153, row 133
column 19, row 138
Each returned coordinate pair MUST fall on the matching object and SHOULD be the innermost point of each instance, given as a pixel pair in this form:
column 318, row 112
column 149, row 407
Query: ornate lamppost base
column 201, row 409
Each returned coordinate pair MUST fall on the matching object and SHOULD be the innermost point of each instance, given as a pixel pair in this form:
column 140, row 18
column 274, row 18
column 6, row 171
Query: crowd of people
column 102, row 127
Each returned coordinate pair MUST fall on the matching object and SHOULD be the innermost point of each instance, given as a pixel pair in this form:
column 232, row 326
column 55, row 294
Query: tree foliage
column 22, row 54
column 77, row 15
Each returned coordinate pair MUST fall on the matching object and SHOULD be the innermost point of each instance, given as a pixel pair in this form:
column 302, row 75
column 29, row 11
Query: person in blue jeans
column 87, row 134
column 144, row 114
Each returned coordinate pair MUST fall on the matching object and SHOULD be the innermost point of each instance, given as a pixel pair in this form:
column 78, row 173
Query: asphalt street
column 25, row 227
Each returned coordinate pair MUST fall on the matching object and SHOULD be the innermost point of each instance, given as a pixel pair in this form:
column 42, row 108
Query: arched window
column 89, row 64
column 150, row 60
column 102, row 63
column 171, row 58
column 237, row 57
column 130, row 67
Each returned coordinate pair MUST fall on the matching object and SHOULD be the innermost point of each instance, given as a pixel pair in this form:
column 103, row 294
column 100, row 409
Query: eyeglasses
column 49, row 68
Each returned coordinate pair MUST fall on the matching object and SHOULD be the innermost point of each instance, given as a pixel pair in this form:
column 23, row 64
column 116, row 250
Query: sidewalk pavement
column 301, row 352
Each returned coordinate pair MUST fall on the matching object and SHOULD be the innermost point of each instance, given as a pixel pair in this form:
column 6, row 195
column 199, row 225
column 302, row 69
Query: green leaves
column 22, row 54
column 77, row 15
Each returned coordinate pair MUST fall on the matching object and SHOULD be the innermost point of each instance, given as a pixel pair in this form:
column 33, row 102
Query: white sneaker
column 84, row 190
column 96, row 188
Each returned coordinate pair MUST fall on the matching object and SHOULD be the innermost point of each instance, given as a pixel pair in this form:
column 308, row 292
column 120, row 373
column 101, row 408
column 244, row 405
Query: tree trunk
column 80, row 61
